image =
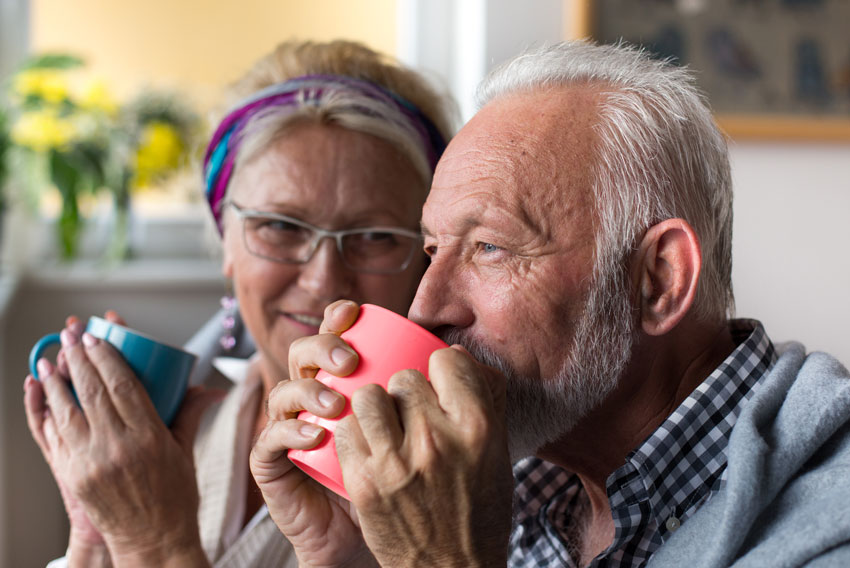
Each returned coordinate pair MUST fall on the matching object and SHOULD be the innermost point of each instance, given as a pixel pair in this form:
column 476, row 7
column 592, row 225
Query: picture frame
column 772, row 69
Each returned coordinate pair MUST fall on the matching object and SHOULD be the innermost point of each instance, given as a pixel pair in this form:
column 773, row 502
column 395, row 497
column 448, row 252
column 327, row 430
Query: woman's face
column 334, row 179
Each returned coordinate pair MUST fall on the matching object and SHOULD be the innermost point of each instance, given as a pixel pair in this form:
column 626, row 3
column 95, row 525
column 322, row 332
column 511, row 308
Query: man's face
column 510, row 227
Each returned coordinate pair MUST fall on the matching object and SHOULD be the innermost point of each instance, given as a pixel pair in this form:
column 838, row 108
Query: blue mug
column 162, row 369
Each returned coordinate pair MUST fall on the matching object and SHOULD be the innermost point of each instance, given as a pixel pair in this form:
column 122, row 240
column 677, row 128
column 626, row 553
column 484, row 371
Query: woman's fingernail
column 340, row 356
column 67, row 338
column 89, row 340
column 76, row 328
column 309, row 432
column 45, row 367
column 327, row 398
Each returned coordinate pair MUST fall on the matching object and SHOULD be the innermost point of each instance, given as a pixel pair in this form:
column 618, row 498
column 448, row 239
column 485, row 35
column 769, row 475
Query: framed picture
column 776, row 69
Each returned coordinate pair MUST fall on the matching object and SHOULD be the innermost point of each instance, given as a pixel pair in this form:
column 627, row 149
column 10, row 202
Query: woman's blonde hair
column 293, row 59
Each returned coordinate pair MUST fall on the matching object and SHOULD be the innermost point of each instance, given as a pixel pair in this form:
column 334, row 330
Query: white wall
column 791, row 247
column 14, row 29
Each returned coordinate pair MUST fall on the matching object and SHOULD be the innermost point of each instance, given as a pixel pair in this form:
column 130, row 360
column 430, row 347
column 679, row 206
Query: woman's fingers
column 126, row 393
column 66, row 416
column 76, row 327
column 112, row 315
column 89, row 386
column 35, row 408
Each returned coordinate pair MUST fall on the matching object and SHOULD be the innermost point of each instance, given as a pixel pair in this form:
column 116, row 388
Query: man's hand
column 322, row 526
column 427, row 465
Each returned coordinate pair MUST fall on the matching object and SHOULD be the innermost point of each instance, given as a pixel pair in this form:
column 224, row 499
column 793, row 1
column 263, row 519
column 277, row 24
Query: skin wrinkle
column 563, row 225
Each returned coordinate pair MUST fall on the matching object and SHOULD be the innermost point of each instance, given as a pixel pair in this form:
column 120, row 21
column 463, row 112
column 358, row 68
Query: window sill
column 147, row 273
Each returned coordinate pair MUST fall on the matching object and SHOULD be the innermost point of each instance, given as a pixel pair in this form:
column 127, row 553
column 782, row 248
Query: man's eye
column 488, row 247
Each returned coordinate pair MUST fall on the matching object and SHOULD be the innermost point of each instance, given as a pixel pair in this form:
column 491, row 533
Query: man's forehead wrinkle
column 524, row 160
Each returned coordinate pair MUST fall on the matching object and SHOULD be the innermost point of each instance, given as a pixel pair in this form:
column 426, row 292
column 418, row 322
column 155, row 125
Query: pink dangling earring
column 228, row 322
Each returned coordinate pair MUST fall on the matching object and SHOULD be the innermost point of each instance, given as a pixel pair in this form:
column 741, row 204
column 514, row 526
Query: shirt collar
column 678, row 466
column 673, row 471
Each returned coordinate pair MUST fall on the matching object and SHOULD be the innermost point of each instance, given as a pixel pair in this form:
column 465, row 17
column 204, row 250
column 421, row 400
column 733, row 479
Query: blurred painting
column 752, row 57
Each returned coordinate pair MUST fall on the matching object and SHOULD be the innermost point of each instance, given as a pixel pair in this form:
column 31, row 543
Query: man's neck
column 662, row 373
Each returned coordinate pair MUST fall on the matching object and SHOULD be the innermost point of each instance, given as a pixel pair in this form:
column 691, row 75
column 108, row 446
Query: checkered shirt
column 662, row 483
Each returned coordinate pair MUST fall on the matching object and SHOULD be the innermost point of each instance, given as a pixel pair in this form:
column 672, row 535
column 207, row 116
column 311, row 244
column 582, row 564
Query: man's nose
column 325, row 275
column 441, row 299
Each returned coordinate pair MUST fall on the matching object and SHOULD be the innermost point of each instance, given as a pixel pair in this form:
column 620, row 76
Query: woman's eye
column 278, row 225
column 489, row 248
column 279, row 231
column 378, row 237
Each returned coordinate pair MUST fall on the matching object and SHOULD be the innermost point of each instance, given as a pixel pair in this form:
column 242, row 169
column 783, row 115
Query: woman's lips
column 309, row 322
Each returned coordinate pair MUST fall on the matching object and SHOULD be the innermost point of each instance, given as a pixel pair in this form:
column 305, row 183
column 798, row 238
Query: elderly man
column 579, row 229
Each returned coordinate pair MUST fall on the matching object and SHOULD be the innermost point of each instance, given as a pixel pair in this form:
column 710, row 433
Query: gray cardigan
column 786, row 501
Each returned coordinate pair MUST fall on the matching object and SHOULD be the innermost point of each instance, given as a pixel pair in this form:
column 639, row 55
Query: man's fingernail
column 342, row 307
column 309, row 432
column 44, row 367
column 89, row 340
column 340, row 356
column 67, row 338
column 327, row 398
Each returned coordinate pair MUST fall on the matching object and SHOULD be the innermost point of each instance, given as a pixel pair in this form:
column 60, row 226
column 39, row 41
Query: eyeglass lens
column 290, row 241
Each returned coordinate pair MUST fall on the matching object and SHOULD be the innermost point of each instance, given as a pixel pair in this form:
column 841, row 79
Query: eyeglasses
column 376, row 250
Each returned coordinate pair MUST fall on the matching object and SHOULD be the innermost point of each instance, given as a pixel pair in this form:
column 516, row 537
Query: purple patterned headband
column 223, row 147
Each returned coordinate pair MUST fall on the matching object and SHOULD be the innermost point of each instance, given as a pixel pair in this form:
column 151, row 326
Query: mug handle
column 38, row 349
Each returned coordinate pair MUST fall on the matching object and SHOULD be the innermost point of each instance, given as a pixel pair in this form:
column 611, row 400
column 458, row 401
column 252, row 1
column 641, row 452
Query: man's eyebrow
column 466, row 224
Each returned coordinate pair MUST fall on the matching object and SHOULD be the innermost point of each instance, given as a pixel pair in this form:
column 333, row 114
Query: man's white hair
column 660, row 154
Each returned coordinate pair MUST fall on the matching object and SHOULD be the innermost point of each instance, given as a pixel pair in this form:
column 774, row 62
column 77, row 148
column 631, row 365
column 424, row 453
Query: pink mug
column 386, row 343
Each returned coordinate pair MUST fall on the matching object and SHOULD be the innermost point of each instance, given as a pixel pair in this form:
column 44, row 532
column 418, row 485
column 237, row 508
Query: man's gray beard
column 540, row 410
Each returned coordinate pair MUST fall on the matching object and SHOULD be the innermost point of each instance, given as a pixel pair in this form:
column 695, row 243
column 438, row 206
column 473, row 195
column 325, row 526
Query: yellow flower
column 159, row 151
column 42, row 130
column 48, row 84
column 96, row 96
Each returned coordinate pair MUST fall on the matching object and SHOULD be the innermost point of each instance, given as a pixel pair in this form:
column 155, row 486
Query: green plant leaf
column 53, row 61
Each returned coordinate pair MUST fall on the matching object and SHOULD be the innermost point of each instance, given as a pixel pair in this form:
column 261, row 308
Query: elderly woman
column 315, row 178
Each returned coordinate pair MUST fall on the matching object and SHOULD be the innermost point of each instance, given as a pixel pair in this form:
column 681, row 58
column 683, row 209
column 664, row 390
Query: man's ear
column 668, row 264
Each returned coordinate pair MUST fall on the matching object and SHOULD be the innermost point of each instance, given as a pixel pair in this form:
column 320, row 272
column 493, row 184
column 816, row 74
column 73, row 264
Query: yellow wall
column 197, row 46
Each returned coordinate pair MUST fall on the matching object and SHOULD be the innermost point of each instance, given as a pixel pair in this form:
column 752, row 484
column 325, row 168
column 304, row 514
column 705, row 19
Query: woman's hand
column 85, row 544
column 322, row 526
column 133, row 477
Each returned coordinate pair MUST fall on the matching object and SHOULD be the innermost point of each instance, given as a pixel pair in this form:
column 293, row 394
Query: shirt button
column 673, row 524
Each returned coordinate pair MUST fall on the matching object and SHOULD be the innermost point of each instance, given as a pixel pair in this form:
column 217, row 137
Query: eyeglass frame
column 320, row 234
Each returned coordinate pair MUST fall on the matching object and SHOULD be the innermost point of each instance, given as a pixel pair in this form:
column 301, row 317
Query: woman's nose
column 325, row 275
